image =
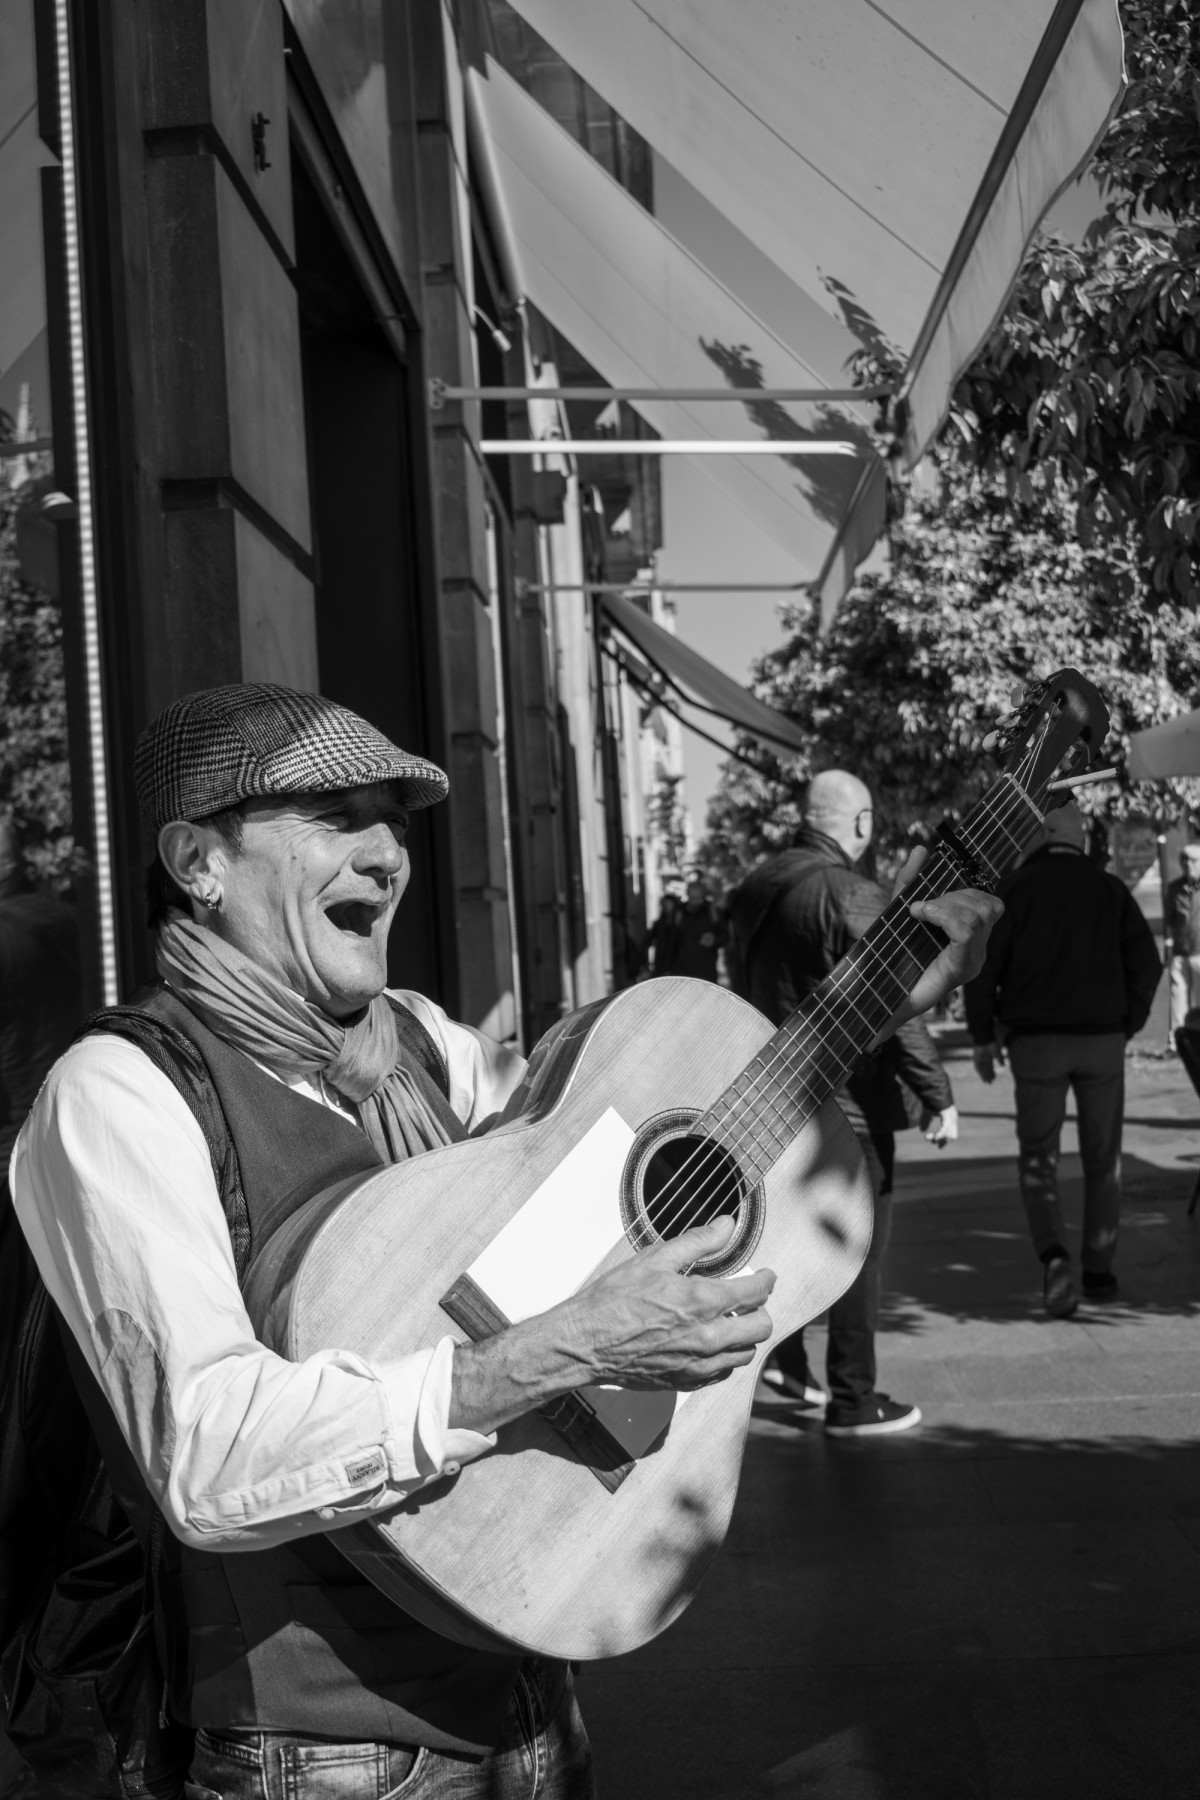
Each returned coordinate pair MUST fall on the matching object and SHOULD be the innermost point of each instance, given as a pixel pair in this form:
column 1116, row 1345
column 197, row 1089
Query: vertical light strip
column 101, row 834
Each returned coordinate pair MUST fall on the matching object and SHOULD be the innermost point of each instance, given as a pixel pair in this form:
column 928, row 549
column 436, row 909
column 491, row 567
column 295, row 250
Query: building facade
column 256, row 232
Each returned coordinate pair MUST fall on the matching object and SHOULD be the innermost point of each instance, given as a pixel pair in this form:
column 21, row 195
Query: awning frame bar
column 668, row 447
column 647, row 586
column 440, row 392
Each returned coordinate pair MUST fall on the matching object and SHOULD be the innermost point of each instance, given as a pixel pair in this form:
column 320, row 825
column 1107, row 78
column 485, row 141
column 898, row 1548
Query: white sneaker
column 790, row 1388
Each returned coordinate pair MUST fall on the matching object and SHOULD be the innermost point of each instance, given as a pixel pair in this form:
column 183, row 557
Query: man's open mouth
column 356, row 916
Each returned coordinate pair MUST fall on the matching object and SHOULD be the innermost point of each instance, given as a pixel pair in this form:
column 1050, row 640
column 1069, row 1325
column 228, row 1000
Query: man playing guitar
column 278, row 821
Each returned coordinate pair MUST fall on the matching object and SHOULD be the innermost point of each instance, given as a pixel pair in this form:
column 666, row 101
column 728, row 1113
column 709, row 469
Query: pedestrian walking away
column 790, row 922
column 1181, row 914
column 1068, row 979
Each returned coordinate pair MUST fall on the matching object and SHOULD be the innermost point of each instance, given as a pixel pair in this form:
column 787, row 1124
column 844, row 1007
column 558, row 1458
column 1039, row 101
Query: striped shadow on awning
column 891, row 157
column 645, row 313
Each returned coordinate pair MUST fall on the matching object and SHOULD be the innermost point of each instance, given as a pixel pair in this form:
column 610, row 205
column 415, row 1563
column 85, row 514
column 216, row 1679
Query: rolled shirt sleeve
column 113, row 1187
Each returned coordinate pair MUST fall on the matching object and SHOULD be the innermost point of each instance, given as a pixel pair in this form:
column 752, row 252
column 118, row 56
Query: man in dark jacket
column 686, row 939
column 1070, row 972
column 791, row 921
column 1182, row 914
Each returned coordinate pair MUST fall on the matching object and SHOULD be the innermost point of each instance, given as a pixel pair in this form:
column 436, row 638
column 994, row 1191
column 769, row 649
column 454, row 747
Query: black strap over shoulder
column 180, row 1061
column 420, row 1044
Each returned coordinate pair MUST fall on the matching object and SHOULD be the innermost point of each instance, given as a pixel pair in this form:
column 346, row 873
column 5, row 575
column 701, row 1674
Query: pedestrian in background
column 1068, row 979
column 686, row 937
column 1182, row 917
column 790, row 922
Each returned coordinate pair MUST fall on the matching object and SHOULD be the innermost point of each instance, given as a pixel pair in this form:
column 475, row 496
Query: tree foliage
column 1060, row 521
column 35, row 787
column 1092, row 374
column 985, row 592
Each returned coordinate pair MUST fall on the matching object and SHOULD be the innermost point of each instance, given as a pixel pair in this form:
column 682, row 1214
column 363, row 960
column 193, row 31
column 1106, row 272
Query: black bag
column 80, row 1670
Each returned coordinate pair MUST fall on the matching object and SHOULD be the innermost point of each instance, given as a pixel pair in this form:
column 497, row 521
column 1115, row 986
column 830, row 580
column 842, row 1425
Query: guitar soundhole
column 688, row 1181
column 675, row 1179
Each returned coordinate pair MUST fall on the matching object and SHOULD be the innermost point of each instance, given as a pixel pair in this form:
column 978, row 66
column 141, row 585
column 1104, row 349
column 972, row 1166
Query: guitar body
column 527, row 1546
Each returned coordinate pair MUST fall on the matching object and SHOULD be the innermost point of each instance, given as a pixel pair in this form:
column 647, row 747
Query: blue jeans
column 543, row 1754
column 1044, row 1068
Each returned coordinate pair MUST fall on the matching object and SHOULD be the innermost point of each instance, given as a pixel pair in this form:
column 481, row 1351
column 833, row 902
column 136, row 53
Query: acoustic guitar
column 587, row 1528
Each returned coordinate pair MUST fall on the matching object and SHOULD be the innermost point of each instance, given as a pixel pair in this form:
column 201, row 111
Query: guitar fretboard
column 814, row 1050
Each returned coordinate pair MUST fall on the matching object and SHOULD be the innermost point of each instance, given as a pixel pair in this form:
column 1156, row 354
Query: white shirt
column 113, row 1186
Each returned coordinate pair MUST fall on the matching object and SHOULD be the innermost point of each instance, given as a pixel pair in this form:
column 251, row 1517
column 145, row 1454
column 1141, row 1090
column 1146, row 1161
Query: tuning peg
column 1018, row 696
column 992, row 741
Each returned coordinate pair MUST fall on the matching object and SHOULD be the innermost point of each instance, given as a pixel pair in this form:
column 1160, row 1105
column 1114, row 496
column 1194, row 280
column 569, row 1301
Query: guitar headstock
column 1055, row 730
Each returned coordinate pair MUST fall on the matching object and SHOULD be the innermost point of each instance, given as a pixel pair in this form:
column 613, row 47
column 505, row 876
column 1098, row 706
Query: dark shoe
column 1058, row 1288
column 791, row 1387
column 1100, row 1287
column 875, row 1417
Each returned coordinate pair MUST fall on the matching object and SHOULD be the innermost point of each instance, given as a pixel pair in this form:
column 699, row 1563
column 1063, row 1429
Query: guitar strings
column 902, row 926
column 903, row 930
column 1018, row 801
column 782, row 1065
column 786, row 1062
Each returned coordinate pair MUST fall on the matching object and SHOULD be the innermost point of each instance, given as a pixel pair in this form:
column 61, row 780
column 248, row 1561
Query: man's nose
column 379, row 852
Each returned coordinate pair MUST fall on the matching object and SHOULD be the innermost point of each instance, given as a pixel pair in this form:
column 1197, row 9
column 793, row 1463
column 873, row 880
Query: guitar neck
column 811, row 1054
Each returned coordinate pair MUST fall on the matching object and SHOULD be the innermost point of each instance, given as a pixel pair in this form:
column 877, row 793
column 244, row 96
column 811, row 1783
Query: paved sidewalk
column 1004, row 1604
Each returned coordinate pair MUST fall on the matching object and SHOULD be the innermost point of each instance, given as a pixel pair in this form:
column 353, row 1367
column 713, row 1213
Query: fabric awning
column 1165, row 750
column 702, row 681
column 645, row 313
column 891, row 157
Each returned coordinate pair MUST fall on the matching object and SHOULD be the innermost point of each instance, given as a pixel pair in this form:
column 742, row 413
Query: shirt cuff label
column 371, row 1466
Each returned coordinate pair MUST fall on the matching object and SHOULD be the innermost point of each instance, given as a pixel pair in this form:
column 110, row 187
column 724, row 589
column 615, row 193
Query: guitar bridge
column 608, row 1429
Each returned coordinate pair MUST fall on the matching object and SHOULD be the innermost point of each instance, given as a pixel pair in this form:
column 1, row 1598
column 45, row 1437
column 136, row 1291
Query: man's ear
column 192, row 860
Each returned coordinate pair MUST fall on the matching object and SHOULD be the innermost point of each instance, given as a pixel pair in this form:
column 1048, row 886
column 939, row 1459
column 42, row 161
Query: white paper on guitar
column 564, row 1230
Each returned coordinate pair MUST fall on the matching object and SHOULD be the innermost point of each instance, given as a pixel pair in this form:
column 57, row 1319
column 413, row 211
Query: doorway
column 372, row 651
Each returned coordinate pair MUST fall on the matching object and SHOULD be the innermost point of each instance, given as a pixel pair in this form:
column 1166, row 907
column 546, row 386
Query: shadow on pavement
column 1001, row 1605
column 954, row 1613
column 960, row 1249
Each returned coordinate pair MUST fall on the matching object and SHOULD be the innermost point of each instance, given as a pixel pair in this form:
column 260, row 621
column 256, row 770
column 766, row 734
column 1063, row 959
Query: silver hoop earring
column 212, row 900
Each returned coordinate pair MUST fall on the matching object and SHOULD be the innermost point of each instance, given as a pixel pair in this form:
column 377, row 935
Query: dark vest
column 293, row 1638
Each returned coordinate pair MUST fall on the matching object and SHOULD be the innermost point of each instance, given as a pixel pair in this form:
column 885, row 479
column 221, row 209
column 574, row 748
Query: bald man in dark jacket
column 790, row 922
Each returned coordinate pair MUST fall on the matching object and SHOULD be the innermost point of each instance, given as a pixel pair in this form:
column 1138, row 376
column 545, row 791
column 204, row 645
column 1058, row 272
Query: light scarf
column 365, row 1061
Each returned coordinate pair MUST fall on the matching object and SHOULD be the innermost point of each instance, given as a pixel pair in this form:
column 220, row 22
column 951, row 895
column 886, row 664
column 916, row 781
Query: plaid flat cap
column 225, row 744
